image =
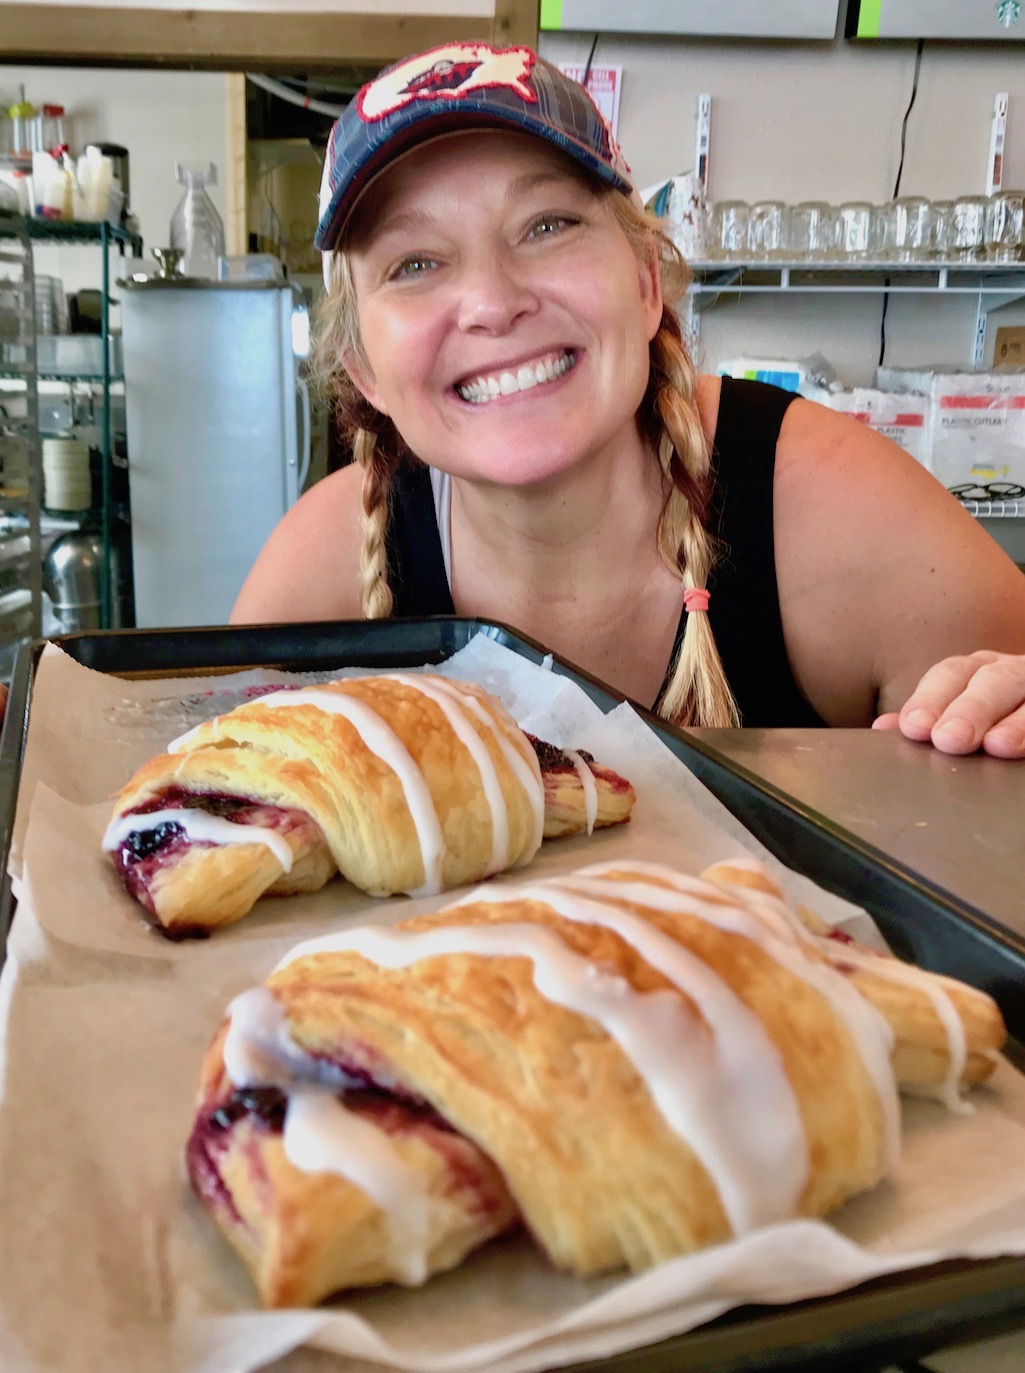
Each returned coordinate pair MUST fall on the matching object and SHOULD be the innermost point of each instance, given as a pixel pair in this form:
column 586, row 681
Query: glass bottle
column 196, row 227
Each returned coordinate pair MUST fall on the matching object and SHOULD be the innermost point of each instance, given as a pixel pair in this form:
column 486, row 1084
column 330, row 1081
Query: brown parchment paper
column 109, row 1264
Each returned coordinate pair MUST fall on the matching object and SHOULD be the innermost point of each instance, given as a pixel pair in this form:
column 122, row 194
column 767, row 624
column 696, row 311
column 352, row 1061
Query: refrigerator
column 218, row 434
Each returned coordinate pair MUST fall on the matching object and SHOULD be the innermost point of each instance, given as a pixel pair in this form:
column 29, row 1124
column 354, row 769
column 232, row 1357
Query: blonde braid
column 697, row 692
column 376, row 445
column 373, row 564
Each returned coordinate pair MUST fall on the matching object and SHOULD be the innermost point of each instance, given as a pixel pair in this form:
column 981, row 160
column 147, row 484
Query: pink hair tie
column 695, row 598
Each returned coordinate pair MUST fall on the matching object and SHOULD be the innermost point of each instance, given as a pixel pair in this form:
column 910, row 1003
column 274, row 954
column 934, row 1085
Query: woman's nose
column 493, row 296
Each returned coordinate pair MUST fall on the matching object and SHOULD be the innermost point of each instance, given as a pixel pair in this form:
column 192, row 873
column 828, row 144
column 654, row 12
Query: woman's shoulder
column 707, row 394
column 309, row 568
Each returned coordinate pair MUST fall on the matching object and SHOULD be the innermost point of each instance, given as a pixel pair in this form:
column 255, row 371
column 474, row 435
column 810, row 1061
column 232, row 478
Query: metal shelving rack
column 21, row 472
column 991, row 283
column 107, row 237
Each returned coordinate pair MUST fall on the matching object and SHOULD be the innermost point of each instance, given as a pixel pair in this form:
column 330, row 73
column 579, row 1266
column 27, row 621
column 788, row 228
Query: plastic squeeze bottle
column 196, row 227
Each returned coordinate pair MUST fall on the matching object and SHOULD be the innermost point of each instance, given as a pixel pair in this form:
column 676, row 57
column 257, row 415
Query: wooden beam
column 236, row 230
column 517, row 21
column 237, row 40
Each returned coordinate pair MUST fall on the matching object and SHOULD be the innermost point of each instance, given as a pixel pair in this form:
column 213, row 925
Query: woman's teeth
column 483, row 389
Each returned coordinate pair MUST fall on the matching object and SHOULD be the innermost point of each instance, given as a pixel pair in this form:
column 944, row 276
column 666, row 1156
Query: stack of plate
column 66, row 481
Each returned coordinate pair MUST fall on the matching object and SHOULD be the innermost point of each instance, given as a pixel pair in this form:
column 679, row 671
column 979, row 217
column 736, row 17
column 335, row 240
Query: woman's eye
column 414, row 265
column 547, row 225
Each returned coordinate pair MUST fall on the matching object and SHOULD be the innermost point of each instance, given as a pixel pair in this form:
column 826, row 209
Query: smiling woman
column 533, row 444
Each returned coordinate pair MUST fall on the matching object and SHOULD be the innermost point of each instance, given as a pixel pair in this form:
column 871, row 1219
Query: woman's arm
column 894, row 599
column 309, row 567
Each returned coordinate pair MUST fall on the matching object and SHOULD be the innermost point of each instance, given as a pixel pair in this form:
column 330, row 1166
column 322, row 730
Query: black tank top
column 744, row 607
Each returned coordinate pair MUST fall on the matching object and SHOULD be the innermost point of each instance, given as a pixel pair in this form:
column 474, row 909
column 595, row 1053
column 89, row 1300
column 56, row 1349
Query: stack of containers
column 66, row 481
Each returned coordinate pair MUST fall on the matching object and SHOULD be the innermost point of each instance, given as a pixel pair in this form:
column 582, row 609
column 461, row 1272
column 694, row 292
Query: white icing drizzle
column 587, row 782
column 761, row 918
column 894, row 970
column 451, row 703
column 180, row 745
column 523, row 762
column 759, row 1173
column 321, row 1135
column 715, row 1088
column 888, row 967
column 200, row 827
column 384, row 743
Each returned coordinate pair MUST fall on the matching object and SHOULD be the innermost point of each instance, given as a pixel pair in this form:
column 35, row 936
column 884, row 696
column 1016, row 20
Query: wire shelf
column 996, row 510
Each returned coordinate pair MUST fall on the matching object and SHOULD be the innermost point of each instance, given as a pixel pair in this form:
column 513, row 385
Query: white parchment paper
column 108, row 1262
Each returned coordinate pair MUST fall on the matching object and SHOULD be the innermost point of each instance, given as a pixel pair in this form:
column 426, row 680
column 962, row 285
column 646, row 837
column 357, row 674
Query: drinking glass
column 909, row 233
column 1004, row 225
column 880, row 232
column 941, row 213
column 810, row 229
column 853, row 232
column 766, row 229
column 968, row 226
column 729, row 228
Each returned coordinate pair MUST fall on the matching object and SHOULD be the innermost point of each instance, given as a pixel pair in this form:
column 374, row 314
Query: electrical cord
column 896, row 185
column 587, row 64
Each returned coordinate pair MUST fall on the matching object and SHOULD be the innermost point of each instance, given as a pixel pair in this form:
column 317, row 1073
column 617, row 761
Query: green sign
column 551, row 14
column 868, row 18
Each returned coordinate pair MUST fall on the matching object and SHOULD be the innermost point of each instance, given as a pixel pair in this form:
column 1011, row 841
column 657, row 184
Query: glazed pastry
column 947, row 1035
column 629, row 1062
column 402, row 783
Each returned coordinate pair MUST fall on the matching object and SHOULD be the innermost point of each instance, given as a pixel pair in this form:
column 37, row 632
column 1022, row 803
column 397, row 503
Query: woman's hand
column 963, row 704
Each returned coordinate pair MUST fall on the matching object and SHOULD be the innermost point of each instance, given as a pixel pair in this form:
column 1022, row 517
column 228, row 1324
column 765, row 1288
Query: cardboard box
column 1009, row 346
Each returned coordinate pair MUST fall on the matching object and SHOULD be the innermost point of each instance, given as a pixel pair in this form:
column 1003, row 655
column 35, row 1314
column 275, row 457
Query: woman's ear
column 363, row 379
column 651, row 290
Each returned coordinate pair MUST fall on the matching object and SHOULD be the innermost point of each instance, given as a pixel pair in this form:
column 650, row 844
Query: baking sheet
column 106, row 1024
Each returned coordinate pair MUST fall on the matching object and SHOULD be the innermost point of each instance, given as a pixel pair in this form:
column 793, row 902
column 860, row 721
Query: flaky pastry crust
column 402, row 783
column 586, row 1039
column 921, row 1007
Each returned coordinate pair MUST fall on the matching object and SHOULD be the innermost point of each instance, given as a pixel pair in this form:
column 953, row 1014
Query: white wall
column 160, row 117
column 803, row 121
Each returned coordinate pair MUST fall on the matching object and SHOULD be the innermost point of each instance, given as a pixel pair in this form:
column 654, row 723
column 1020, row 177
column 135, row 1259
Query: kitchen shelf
column 9, row 373
column 996, row 510
column 21, row 477
column 104, row 373
column 992, row 284
column 83, row 231
column 920, row 278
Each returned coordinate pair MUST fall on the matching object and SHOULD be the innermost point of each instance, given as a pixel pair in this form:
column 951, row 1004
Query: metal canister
column 73, row 580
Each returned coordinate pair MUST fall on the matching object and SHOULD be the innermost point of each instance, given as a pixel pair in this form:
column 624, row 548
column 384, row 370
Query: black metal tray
column 880, row 1323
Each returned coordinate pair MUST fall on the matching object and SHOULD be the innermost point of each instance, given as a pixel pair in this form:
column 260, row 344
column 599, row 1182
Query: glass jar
column 1005, row 224
column 854, row 229
column 968, row 227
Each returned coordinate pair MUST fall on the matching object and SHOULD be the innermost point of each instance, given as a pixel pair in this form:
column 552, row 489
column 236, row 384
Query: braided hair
column 697, row 692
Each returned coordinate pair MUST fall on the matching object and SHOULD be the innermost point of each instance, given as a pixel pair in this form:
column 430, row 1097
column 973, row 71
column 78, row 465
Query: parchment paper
column 108, row 1262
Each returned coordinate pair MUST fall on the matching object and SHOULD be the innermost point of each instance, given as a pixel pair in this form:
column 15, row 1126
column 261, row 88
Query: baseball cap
column 453, row 87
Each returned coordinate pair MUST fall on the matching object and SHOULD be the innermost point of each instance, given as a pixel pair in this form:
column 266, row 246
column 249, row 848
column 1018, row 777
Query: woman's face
column 505, row 317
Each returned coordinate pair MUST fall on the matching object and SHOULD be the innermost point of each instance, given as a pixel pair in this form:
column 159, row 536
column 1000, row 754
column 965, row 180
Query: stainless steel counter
column 960, row 822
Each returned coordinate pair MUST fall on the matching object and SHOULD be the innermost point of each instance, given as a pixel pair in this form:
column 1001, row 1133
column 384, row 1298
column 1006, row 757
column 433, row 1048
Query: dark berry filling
column 145, row 851
column 264, row 1104
column 554, row 759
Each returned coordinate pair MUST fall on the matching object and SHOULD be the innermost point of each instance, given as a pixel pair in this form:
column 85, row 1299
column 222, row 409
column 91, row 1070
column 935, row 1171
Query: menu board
column 713, row 18
column 993, row 20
